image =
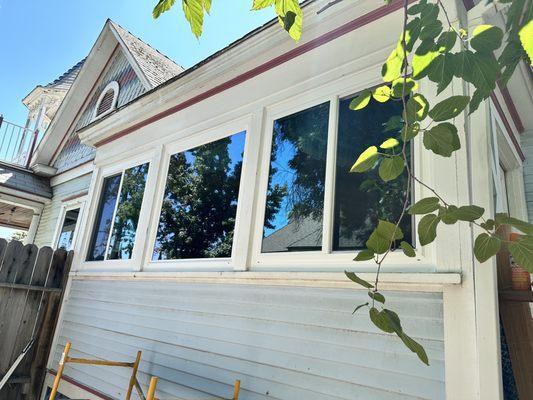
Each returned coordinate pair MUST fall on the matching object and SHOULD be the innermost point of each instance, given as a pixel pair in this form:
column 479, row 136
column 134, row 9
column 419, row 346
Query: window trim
column 114, row 86
column 245, row 197
column 316, row 260
column 69, row 205
column 105, row 171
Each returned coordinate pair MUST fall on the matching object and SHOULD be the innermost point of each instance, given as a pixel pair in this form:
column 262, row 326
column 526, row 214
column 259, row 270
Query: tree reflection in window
column 200, row 201
column 295, row 195
column 104, row 217
column 362, row 199
column 67, row 229
column 127, row 214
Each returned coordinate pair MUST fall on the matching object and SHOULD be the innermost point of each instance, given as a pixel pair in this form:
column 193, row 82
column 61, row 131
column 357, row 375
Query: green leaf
column 448, row 214
column 380, row 320
column 427, row 228
column 486, row 246
column 407, row 249
column 389, row 143
column 429, row 14
column 392, row 67
column 194, row 14
column 361, row 100
column 422, row 62
column 394, row 123
column 522, row 252
column 412, row 32
column 442, row 139
column 359, row 306
column 441, row 71
column 161, row 7
column 469, row 213
column 481, row 70
column 417, row 107
column 359, row 281
column 446, row 41
column 425, row 206
column 381, row 94
column 393, row 321
column 391, row 168
column 377, row 297
column 364, row 255
column 415, row 347
column 380, row 239
column 290, row 17
column 259, row 4
column 431, row 30
column 366, row 160
column 399, row 84
column 523, row 226
column 526, row 38
column 410, row 131
column 489, row 224
column 449, row 108
column 486, row 38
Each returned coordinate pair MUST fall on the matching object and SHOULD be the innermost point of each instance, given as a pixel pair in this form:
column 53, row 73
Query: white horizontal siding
column 282, row 342
column 527, row 147
column 50, row 214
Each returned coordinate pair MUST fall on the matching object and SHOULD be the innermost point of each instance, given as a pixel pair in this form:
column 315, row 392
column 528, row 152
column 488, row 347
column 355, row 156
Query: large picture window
column 118, row 214
column 295, row 197
column 295, row 207
column 200, row 201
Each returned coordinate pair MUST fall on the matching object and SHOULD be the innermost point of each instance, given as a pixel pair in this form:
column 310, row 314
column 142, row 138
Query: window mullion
column 114, row 215
column 329, row 191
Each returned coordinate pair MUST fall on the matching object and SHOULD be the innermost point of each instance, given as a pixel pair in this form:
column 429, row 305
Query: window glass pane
column 359, row 201
column 295, row 194
column 127, row 215
column 200, row 202
column 104, row 218
column 67, row 230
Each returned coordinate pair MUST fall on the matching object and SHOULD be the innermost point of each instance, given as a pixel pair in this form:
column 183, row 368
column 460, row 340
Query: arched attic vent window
column 107, row 100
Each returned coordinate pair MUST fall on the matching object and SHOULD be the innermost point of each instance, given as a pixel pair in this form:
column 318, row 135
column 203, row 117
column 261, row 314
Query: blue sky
column 42, row 39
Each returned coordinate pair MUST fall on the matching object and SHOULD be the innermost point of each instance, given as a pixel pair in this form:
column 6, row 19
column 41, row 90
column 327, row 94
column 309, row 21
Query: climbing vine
column 434, row 48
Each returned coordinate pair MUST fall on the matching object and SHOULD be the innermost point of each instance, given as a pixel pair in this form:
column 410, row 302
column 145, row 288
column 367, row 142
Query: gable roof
column 152, row 68
column 156, row 67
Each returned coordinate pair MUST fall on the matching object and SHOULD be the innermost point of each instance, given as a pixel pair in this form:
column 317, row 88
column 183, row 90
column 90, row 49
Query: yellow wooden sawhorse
column 65, row 358
column 153, row 384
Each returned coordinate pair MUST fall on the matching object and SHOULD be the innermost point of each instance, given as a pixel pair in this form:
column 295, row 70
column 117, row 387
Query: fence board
column 28, row 308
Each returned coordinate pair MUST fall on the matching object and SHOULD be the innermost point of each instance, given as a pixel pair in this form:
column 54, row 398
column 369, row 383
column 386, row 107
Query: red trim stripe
column 75, row 196
column 275, row 62
column 81, row 385
column 513, row 112
column 508, row 129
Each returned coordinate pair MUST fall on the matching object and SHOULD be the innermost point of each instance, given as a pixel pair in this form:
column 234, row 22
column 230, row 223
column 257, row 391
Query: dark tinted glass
column 295, row 194
column 362, row 199
column 67, row 230
column 128, row 210
column 198, row 213
column 104, row 218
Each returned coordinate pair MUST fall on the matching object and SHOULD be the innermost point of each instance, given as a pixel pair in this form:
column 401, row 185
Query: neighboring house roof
column 65, row 81
column 156, row 67
column 25, row 181
column 152, row 68
column 298, row 234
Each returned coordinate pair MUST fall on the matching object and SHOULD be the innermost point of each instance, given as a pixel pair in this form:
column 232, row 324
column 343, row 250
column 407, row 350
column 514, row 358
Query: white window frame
column 69, row 205
column 317, row 260
column 105, row 171
column 114, row 86
column 237, row 260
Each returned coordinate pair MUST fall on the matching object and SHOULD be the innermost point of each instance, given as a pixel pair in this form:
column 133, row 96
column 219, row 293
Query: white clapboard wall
column 282, row 342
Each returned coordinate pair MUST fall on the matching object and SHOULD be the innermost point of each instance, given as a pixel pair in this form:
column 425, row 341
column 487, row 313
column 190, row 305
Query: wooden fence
column 32, row 282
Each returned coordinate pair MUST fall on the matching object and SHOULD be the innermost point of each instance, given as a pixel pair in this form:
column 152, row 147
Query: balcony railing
column 17, row 143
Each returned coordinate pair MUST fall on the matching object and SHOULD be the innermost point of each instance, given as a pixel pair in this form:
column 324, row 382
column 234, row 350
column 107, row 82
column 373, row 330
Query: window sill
column 429, row 282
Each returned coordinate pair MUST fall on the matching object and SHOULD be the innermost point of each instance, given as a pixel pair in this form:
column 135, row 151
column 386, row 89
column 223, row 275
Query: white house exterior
column 279, row 321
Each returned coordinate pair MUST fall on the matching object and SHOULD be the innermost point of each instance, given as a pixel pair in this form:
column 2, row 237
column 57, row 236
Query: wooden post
column 236, row 390
column 62, row 362
column 133, row 375
column 151, row 389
